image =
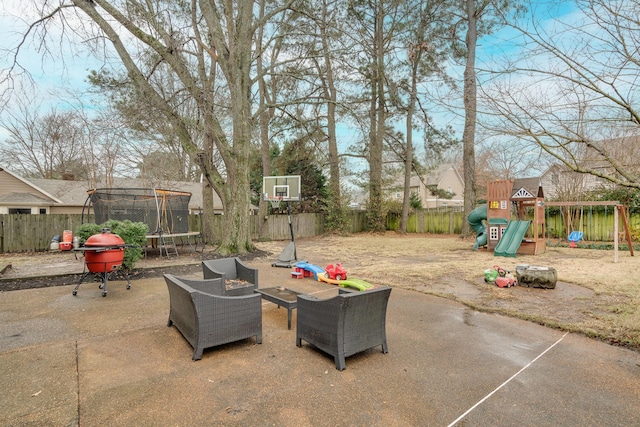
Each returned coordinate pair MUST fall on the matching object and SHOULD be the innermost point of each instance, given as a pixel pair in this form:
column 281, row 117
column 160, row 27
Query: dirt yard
column 594, row 295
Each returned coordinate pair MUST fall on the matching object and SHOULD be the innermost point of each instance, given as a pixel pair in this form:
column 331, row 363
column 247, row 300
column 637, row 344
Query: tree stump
column 532, row 276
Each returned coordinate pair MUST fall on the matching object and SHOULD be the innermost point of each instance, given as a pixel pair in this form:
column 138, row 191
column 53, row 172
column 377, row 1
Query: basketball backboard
column 284, row 188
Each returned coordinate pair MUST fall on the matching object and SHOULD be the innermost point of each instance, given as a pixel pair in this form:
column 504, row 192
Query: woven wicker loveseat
column 230, row 269
column 344, row 325
column 207, row 318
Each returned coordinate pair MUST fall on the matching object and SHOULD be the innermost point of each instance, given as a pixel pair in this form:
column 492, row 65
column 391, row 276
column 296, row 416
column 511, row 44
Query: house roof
column 75, row 192
column 71, row 193
column 47, row 192
column 26, row 199
column 30, row 193
column 623, row 149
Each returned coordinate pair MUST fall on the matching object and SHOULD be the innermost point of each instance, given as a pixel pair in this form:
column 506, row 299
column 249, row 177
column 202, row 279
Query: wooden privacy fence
column 33, row 233
column 435, row 221
column 596, row 226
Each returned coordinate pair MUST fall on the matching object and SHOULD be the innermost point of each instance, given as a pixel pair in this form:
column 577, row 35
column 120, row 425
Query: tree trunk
column 266, row 113
column 331, row 97
column 237, row 191
column 468, row 135
column 408, row 157
column 377, row 116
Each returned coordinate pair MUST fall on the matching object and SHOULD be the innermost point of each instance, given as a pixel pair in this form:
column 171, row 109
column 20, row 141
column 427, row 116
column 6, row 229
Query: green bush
column 133, row 233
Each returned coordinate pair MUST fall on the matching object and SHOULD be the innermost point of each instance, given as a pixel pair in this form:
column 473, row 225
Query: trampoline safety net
column 164, row 211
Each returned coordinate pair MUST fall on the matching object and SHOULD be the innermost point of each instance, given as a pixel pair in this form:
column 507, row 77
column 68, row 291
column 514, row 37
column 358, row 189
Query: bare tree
column 374, row 24
column 426, row 55
column 42, row 145
column 575, row 97
column 477, row 18
column 209, row 47
column 328, row 76
column 149, row 144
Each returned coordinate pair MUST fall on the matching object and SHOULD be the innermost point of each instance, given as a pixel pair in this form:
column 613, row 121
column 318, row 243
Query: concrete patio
column 91, row 361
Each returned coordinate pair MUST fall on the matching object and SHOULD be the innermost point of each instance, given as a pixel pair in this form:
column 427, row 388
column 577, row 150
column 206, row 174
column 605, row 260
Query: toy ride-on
column 501, row 277
column 336, row 272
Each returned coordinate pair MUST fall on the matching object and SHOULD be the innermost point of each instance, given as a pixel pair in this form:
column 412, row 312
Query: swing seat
column 574, row 237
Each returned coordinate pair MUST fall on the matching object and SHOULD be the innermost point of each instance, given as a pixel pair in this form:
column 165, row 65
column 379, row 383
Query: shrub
column 133, row 233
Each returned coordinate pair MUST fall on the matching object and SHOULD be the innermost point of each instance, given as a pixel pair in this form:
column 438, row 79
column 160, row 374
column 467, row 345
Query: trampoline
column 165, row 212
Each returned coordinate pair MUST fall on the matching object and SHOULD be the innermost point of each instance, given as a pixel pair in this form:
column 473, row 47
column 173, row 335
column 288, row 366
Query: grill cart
column 103, row 254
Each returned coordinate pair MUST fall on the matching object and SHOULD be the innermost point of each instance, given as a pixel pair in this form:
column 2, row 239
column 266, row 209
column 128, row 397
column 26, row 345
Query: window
column 43, row 211
column 493, row 233
column 22, row 211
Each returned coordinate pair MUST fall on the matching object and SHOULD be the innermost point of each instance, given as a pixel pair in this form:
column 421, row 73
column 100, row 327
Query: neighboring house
column 562, row 183
column 56, row 196
column 431, row 188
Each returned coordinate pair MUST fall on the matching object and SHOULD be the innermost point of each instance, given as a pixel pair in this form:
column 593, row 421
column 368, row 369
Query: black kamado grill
column 103, row 254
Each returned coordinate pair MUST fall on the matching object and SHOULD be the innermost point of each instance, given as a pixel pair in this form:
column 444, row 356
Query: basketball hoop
column 275, row 201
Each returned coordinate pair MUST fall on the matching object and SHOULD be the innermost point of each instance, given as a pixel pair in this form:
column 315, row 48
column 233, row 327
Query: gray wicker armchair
column 219, row 286
column 208, row 286
column 207, row 320
column 230, row 269
column 344, row 325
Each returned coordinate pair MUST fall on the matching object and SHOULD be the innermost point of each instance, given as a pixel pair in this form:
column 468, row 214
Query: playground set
column 504, row 235
column 497, row 230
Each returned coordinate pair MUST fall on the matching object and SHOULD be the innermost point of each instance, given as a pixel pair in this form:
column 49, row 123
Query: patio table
column 281, row 296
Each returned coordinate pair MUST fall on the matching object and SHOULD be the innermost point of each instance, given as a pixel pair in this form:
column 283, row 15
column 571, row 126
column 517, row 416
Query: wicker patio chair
column 207, row 320
column 230, row 269
column 344, row 325
column 208, row 286
column 219, row 286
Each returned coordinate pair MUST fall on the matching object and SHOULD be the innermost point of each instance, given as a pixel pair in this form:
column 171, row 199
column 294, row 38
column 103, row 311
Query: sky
column 65, row 65
column 59, row 65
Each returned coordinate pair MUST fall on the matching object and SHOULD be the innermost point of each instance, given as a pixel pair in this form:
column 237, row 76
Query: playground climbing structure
column 514, row 216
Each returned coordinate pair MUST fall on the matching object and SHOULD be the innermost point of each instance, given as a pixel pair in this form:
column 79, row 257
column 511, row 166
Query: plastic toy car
column 506, row 282
column 336, row 272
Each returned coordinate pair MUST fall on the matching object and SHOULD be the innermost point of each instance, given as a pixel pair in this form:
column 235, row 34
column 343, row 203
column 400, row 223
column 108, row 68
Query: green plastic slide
column 475, row 220
column 511, row 239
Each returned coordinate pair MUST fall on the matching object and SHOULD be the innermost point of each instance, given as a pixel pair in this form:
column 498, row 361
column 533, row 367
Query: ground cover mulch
column 46, row 269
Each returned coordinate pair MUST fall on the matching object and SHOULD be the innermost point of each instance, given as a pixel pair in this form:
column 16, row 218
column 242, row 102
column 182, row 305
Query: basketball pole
column 295, row 255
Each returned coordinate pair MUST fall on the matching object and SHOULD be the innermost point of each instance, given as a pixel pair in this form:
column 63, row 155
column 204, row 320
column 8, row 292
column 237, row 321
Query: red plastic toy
column 506, row 282
column 336, row 272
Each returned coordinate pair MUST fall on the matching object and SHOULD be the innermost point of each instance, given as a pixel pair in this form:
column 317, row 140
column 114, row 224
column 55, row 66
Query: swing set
column 575, row 234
